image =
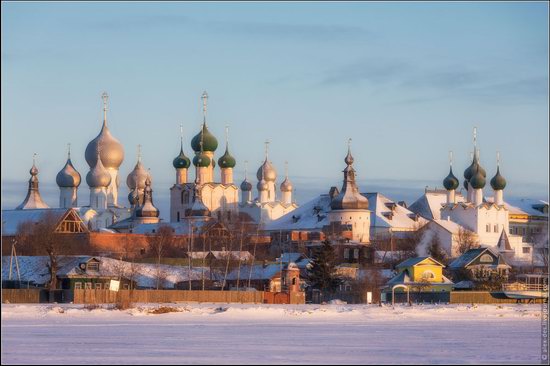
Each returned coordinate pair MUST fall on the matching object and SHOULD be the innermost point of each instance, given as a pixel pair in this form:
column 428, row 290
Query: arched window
column 428, row 275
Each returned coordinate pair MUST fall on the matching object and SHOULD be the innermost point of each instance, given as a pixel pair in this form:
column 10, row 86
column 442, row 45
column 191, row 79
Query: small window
column 78, row 286
column 356, row 253
column 294, row 281
column 496, row 228
column 93, row 266
column 125, row 286
column 98, row 286
column 526, row 250
column 178, row 216
column 346, row 253
column 488, row 228
column 88, row 286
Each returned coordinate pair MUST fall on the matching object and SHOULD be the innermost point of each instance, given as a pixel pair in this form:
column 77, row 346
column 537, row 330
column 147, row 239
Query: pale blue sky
column 407, row 81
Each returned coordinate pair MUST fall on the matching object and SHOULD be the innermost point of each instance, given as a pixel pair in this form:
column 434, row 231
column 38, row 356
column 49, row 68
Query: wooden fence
column 165, row 296
column 483, row 297
column 20, row 296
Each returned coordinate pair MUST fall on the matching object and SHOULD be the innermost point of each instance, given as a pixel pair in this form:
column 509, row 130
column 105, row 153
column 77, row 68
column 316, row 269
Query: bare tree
column 540, row 246
column 436, row 251
column 161, row 242
column 40, row 238
column 466, row 240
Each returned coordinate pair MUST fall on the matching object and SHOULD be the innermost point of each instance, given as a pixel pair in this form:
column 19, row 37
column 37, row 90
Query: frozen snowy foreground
column 249, row 334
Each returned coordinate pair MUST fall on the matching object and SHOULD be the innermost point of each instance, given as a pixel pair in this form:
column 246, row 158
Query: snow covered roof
column 12, row 218
column 524, row 206
column 222, row 254
column 468, row 257
column 313, row 215
column 259, row 272
column 291, row 257
column 450, row 226
column 180, row 228
column 387, row 213
column 35, row 269
column 430, row 203
column 414, row 261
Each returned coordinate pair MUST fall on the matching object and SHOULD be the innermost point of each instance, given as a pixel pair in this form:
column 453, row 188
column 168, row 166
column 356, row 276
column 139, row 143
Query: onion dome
column 246, row 186
column 112, row 151
column 451, row 182
column 33, row 199
column 209, row 142
column 137, row 177
column 286, row 186
column 262, row 185
column 201, row 160
column 498, row 182
column 226, row 160
column 266, row 171
column 349, row 196
column 478, row 180
column 470, row 171
column 133, row 197
column 68, row 176
column 148, row 209
column 465, row 184
column 98, row 176
column 181, row 161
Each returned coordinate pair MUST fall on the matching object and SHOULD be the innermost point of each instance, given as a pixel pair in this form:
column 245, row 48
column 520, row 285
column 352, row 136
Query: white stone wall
column 359, row 220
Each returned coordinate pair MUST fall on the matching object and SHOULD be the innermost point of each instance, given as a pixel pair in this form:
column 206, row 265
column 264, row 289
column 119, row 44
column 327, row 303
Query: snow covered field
column 229, row 334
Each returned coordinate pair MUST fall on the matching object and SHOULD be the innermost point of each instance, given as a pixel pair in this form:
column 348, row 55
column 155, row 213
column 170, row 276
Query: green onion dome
column 246, row 186
column 209, row 142
column 470, row 171
column 181, row 161
column 450, row 182
column 478, row 180
column 498, row 182
column 201, row 160
column 226, row 160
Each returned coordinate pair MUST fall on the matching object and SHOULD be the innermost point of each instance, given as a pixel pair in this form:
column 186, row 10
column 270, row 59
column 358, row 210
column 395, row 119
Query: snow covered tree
column 322, row 273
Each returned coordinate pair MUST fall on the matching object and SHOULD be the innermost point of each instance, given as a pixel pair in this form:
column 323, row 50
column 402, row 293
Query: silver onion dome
column 98, row 176
column 68, row 176
column 262, row 185
column 137, row 177
column 266, row 171
column 286, row 186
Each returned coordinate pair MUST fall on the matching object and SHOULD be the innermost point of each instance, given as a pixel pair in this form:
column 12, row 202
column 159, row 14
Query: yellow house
column 421, row 274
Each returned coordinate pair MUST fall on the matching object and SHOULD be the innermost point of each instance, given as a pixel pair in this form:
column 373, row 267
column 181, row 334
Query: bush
column 164, row 310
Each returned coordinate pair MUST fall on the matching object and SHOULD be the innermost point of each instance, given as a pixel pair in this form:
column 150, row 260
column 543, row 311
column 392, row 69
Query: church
column 202, row 199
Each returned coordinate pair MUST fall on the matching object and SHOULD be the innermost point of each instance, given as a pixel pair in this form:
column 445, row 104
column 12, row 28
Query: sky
column 406, row 81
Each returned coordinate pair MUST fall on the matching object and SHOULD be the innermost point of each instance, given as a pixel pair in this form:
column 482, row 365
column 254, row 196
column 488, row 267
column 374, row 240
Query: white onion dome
column 209, row 142
column 112, row 151
column 451, row 182
column 262, row 185
column 137, row 177
column 478, row 180
column 201, row 160
column 68, row 176
column 246, row 186
column 498, row 182
column 286, row 186
column 98, row 176
column 267, row 172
